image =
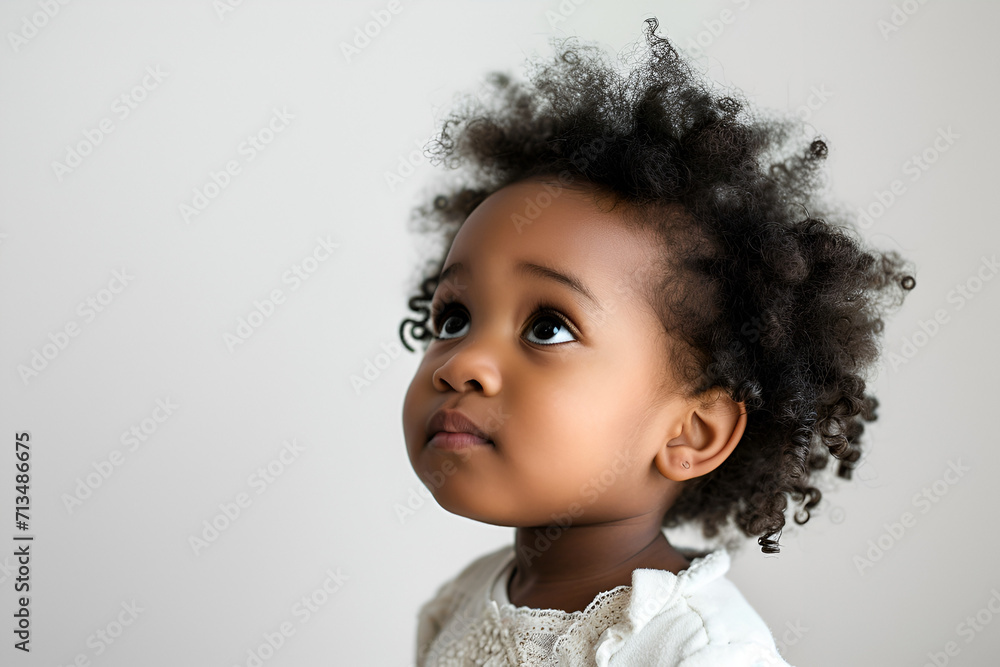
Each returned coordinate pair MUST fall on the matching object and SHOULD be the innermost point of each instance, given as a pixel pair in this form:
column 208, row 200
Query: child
column 641, row 321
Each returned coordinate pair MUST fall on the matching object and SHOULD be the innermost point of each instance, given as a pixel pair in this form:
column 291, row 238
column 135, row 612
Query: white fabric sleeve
column 432, row 616
column 741, row 654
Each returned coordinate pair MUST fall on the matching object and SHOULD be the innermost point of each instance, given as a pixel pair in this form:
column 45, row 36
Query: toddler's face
column 574, row 408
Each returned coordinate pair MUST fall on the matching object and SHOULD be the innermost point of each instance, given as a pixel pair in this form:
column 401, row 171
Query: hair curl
column 778, row 306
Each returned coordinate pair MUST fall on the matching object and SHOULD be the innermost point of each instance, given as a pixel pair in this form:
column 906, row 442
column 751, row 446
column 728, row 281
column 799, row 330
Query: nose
column 469, row 365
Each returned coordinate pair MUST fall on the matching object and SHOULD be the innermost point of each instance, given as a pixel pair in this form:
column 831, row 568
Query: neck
column 566, row 567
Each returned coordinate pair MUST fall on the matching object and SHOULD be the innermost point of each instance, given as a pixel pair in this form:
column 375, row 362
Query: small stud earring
column 686, row 464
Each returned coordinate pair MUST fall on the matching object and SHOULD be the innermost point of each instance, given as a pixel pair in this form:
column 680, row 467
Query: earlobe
column 670, row 460
column 708, row 436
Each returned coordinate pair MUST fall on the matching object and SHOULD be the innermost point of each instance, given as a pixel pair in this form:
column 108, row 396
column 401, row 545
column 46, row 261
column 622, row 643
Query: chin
column 473, row 507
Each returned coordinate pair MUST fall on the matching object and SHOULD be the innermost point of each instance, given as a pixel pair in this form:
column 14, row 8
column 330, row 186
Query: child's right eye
column 438, row 312
column 441, row 320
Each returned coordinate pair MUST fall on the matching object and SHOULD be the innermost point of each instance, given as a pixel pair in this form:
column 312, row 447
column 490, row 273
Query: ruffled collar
column 651, row 592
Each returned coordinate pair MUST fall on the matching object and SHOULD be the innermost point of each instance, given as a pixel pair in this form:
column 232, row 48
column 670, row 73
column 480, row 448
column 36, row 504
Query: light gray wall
column 879, row 98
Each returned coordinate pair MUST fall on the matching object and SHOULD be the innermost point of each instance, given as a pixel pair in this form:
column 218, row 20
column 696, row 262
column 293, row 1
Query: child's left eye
column 550, row 326
column 559, row 328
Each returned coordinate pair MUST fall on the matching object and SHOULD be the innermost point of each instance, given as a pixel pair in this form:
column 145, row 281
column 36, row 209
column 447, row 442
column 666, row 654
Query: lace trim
column 487, row 633
column 500, row 577
column 509, row 609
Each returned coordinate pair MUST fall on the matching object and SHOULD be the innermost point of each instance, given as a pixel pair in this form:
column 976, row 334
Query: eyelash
column 440, row 311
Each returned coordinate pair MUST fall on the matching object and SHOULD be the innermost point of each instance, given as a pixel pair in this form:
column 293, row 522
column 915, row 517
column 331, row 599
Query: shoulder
column 475, row 575
column 698, row 618
column 732, row 632
column 455, row 592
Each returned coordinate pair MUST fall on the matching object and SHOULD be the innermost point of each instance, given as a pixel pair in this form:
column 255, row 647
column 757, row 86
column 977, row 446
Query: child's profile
column 645, row 316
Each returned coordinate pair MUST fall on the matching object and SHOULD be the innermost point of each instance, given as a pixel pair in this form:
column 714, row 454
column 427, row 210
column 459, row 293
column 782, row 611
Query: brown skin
column 563, row 404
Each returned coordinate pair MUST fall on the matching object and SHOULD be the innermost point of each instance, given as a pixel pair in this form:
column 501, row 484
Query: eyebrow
column 540, row 271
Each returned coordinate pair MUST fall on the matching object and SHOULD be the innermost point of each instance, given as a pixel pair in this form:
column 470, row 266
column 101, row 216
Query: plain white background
column 125, row 536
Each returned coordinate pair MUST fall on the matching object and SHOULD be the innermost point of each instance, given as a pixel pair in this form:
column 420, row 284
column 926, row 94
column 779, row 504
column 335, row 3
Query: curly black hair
column 777, row 299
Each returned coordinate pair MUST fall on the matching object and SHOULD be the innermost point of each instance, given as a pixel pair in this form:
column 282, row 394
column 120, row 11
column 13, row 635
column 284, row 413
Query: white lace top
column 697, row 618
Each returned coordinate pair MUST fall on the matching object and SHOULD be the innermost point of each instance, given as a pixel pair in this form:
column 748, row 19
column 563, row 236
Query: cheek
column 557, row 434
column 422, row 382
column 592, row 418
column 415, row 407
column 601, row 398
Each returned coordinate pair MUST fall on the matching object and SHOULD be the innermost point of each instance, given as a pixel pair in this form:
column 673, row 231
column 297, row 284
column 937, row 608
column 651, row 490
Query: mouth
column 449, row 441
column 450, row 429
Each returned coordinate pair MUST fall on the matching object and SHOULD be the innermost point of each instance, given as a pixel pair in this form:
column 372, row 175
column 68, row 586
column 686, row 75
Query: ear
column 709, row 431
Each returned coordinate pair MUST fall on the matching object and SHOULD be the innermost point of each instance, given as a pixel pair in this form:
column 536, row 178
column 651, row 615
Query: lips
column 453, row 421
